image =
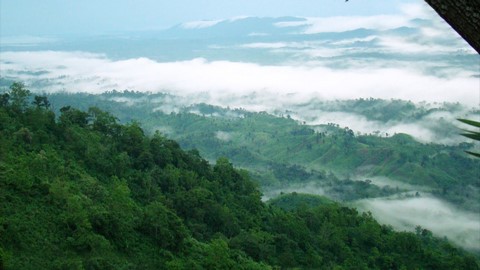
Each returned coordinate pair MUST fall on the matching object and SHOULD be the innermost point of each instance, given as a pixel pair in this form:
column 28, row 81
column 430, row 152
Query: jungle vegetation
column 79, row 190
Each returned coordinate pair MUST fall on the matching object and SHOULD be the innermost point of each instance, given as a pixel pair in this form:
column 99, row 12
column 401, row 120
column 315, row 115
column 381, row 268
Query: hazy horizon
column 53, row 17
column 400, row 50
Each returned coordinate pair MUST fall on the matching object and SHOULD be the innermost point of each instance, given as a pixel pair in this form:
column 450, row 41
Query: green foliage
column 474, row 135
column 19, row 95
column 41, row 101
column 279, row 151
column 297, row 200
column 85, row 192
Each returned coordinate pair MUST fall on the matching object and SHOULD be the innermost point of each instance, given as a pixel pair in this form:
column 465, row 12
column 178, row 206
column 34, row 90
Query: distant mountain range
column 267, row 41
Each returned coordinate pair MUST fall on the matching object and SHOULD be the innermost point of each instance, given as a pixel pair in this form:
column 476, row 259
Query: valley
column 283, row 155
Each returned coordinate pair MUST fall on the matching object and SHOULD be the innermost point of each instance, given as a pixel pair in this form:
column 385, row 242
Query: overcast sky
column 56, row 17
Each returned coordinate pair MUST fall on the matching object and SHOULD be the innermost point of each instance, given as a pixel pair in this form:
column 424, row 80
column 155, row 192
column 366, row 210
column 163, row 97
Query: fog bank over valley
column 230, row 83
column 261, row 63
column 442, row 218
column 300, row 91
column 283, row 65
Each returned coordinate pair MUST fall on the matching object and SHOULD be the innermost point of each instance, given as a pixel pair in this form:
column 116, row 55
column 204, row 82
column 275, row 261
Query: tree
column 41, row 101
column 163, row 226
column 104, row 122
column 474, row 135
column 4, row 98
column 19, row 95
column 70, row 116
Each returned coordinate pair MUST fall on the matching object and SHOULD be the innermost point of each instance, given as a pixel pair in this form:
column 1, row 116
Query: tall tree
column 19, row 95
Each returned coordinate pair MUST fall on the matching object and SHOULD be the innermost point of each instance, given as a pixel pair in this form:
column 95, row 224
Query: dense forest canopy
column 82, row 191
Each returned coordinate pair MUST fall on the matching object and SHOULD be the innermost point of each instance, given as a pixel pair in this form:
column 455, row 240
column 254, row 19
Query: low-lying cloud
column 223, row 136
column 228, row 81
column 439, row 127
column 382, row 181
column 310, row 188
column 443, row 219
column 413, row 63
column 380, row 22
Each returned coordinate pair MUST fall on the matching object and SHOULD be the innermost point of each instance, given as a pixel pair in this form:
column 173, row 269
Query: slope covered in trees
column 81, row 191
column 281, row 152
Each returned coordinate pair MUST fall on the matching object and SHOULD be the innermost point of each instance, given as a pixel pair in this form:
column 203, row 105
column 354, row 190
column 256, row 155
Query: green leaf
column 470, row 122
column 473, row 154
column 472, row 135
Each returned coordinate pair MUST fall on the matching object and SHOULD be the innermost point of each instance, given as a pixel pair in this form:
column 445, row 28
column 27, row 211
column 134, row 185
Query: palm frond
column 474, row 135
column 470, row 122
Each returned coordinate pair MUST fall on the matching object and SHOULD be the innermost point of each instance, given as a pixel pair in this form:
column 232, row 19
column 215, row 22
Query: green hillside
column 81, row 191
column 295, row 200
column 281, row 152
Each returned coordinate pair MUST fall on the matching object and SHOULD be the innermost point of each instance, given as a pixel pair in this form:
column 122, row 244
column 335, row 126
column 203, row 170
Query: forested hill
column 81, row 191
column 281, row 152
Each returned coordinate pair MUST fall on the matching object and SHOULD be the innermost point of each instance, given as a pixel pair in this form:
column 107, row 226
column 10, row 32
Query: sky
column 59, row 17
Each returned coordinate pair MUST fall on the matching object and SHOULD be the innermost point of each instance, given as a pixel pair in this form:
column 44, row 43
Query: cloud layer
column 227, row 82
column 413, row 56
column 443, row 219
column 409, row 12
